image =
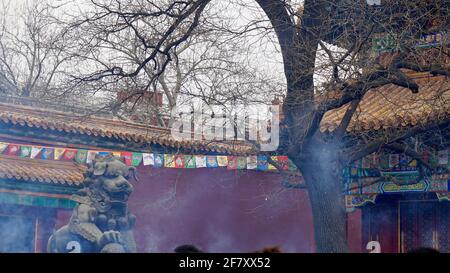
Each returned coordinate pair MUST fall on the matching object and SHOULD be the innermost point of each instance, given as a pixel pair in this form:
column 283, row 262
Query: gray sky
column 263, row 50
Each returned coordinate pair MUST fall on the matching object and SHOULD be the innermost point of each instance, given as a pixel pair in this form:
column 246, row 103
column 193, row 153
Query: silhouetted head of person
column 423, row 250
column 272, row 249
column 187, row 249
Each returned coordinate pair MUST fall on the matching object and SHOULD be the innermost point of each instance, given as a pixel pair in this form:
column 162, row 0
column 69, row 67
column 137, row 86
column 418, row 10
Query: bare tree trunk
column 323, row 180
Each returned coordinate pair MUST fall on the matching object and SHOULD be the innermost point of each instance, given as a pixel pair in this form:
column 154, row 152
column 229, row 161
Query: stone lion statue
column 101, row 221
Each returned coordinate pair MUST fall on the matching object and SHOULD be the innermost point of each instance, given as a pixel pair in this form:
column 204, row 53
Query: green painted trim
column 13, row 184
column 388, row 43
column 36, row 201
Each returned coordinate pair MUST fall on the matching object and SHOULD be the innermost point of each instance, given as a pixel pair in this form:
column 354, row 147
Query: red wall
column 219, row 211
column 215, row 209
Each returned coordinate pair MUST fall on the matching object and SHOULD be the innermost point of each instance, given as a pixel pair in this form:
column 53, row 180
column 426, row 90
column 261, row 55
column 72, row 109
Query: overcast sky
column 263, row 50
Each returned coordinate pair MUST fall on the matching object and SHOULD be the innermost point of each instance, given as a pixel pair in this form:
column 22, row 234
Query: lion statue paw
column 111, row 242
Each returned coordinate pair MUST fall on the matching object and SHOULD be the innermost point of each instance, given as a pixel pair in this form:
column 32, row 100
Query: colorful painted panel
column 390, row 187
column 352, row 201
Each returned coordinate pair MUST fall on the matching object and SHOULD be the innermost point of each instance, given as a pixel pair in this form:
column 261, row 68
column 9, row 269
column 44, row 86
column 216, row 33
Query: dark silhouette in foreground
column 276, row 249
column 194, row 249
column 423, row 250
column 187, row 249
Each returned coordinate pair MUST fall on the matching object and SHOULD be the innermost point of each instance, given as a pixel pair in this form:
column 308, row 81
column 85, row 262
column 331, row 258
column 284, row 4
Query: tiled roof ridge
column 395, row 106
column 111, row 128
column 35, row 170
column 418, row 77
column 382, row 107
column 57, row 113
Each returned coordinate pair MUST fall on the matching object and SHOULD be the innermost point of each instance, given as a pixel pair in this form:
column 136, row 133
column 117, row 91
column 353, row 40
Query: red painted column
column 354, row 231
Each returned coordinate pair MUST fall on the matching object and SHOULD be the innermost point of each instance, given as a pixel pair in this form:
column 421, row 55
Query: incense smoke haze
column 218, row 211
